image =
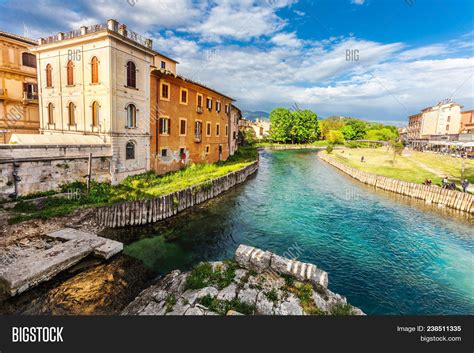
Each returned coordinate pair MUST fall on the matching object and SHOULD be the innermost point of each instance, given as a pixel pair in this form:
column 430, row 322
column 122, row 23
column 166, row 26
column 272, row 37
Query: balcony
column 197, row 138
column 30, row 97
column 199, row 109
column 3, row 93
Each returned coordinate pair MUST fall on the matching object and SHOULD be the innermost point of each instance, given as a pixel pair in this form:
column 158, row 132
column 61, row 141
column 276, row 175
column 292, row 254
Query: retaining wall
column 142, row 212
column 291, row 147
column 431, row 194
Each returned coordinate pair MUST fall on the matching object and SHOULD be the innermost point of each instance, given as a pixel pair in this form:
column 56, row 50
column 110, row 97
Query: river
column 386, row 253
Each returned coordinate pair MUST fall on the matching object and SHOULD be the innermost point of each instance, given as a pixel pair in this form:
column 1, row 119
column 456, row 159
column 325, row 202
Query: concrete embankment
column 142, row 212
column 430, row 194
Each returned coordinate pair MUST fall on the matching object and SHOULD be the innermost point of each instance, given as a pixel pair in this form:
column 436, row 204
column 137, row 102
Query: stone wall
column 291, row 147
column 430, row 194
column 46, row 167
column 155, row 209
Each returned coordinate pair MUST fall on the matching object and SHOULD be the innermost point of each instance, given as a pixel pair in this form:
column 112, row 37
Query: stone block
column 252, row 258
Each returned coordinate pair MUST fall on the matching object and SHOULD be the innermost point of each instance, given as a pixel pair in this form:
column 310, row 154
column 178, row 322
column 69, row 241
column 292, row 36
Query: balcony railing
column 30, row 96
column 197, row 138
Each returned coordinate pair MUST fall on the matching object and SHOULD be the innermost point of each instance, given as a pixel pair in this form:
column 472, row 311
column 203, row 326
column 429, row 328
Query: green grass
column 203, row 276
column 415, row 168
column 223, row 306
column 137, row 187
column 341, row 309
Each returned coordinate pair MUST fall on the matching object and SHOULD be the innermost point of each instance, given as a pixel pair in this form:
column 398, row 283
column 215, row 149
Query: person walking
column 464, row 185
column 445, row 182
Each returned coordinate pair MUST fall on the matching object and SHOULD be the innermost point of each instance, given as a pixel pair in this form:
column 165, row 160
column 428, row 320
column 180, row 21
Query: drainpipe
column 16, row 180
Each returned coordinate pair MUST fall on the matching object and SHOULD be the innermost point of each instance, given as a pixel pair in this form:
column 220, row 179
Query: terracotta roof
column 169, row 73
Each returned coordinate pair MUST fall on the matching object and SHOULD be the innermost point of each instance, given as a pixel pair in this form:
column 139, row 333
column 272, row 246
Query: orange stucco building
column 190, row 123
column 467, row 122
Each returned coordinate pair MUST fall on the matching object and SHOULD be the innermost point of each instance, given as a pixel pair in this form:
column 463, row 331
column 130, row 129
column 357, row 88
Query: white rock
column 228, row 293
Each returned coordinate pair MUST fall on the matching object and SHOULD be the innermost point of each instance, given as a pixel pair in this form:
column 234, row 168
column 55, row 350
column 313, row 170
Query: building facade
column 96, row 81
column 235, row 116
column 467, row 122
column 18, row 87
column 190, row 123
column 414, row 127
column 261, row 128
column 441, row 119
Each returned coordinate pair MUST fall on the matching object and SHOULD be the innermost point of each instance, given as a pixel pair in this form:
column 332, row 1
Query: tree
column 397, row 148
column 300, row 126
column 328, row 124
column 348, row 132
column 281, row 120
column 358, row 126
column 335, row 137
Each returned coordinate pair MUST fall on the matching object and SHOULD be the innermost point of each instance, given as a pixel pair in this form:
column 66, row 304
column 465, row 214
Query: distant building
column 261, row 128
column 467, row 122
column 441, row 119
column 190, row 122
column 235, row 117
column 19, row 112
column 403, row 134
column 414, row 127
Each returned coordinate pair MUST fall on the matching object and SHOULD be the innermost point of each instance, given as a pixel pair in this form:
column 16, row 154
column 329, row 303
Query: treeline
column 302, row 126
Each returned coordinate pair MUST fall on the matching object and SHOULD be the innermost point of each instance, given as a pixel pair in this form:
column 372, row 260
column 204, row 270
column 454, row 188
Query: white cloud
column 358, row 2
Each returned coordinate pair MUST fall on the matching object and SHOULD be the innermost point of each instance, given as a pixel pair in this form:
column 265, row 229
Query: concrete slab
column 46, row 264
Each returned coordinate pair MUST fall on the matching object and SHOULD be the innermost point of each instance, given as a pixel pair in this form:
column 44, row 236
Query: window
column 70, row 73
column 95, row 114
column 131, row 116
column 447, row 127
column 130, row 150
column 95, row 70
column 30, row 90
column 226, row 130
column 164, row 152
column 209, row 103
column 182, row 127
column 164, row 126
column 49, row 76
column 163, row 65
column 183, row 96
column 218, row 106
column 198, row 130
column 218, row 129
column 227, row 108
column 208, row 149
column 449, row 118
column 199, row 100
column 165, row 91
column 208, row 129
column 72, row 114
column 28, row 60
column 50, row 113
column 131, row 75
column 182, row 153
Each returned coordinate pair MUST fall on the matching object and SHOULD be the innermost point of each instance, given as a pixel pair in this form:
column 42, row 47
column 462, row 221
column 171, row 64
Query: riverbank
column 410, row 166
column 430, row 194
column 284, row 146
column 256, row 282
column 140, row 187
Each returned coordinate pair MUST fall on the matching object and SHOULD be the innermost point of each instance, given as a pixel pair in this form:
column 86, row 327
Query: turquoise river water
column 387, row 254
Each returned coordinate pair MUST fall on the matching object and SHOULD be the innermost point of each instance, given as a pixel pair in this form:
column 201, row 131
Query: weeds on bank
column 223, row 306
column 137, row 187
column 203, row 275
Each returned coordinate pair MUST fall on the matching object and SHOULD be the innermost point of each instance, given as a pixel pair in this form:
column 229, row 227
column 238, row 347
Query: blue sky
column 409, row 53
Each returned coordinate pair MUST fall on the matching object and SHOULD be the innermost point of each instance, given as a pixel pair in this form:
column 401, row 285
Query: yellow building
column 18, row 89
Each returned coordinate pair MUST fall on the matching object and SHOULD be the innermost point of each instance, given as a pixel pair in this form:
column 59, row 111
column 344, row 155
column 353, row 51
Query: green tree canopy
column 300, row 126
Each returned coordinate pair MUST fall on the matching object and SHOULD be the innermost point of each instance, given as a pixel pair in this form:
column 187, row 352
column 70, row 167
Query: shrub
column 341, row 309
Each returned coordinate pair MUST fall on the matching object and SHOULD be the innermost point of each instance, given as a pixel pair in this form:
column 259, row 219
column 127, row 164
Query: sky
column 380, row 60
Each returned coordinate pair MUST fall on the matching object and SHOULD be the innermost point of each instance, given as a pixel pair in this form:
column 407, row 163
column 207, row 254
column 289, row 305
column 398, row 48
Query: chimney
column 123, row 30
column 83, row 30
column 112, row 25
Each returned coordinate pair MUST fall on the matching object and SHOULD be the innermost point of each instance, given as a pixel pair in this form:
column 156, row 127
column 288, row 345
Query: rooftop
column 110, row 26
column 17, row 37
column 169, row 73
